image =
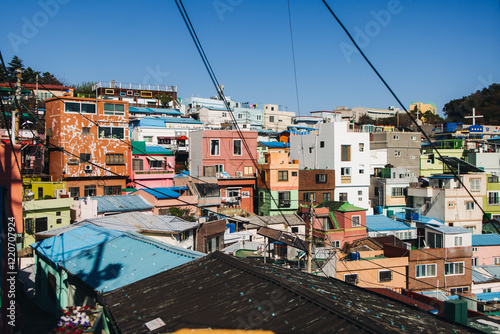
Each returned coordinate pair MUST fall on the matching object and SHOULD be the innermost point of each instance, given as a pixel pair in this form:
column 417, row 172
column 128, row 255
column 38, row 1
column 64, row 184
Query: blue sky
column 426, row 50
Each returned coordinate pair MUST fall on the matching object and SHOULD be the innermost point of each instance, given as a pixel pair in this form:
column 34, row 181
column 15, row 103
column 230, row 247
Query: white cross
column 473, row 116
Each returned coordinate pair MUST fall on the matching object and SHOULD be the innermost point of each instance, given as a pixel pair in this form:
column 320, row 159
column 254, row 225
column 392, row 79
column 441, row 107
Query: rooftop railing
column 122, row 85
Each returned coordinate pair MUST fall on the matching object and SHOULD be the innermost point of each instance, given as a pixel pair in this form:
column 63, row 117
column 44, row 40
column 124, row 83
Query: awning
column 151, row 158
column 182, row 137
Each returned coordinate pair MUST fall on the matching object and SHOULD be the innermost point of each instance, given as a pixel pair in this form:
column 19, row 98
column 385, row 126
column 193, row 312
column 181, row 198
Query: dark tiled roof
column 220, row 291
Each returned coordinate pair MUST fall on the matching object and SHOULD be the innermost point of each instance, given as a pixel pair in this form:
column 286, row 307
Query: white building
column 348, row 153
column 275, row 119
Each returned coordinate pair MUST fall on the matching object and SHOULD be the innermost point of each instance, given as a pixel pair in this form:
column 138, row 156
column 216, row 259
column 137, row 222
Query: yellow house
column 35, row 188
column 423, row 107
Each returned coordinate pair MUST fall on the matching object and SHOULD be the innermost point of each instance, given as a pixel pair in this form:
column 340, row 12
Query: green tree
column 485, row 101
column 366, row 119
column 164, row 99
column 181, row 213
column 84, row 88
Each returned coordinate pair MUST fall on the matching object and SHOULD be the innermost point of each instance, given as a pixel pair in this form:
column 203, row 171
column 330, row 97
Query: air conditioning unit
column 72, row 161
column 239, row 174
column 88, row 168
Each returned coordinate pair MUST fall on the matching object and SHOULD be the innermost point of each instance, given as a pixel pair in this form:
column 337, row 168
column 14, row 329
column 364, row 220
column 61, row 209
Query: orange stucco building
column 88, row 144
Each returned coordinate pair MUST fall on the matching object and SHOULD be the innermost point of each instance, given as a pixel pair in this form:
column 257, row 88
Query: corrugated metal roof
column 158, row 150
column 154, row 110
column 383, row 223
column 255, row 221
column 488, row 296
column 74, row 241
column 130, row 221
column 125, row 259
column 450, row 229
column 274, row 144
column 490, row 239
column 121, row 203
column 284, row 237
column 482, row 274
column 220, row 291
column 162, row 192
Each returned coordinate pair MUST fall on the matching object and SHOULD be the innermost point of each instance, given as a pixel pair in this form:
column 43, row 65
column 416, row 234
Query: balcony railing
column 155, row 172
column 122, row 85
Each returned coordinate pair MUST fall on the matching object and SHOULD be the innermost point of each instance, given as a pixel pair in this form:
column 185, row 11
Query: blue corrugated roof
column 157, row 150
column 494, row 138
column 72, row 242
column 274, row 144
column 121, row 203
column 126, row 259
column 161, row 121
column 383, row 223
column 163, row 192
column 481, row 274
column 491, row 239
column 155, row 110
column 421, row 219
column 488, row 296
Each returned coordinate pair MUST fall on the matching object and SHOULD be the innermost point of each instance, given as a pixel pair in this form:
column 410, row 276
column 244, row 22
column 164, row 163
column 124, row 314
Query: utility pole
column 15, row 114
column 309, row 252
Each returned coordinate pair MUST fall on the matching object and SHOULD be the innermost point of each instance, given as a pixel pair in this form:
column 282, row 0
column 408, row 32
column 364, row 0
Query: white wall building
column 347, row 152
column 275, row 119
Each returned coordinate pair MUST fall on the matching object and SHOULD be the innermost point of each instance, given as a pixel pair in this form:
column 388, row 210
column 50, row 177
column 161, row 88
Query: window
column 41, row 224
column 320, row 178
column 343, row 197
column 356, row 221
column 345, row 153
column 112, row 190
column 282, row 175
column 310, row 149
column 451, row 204
column 454, row 268
column 240, row 116
column 345, row 171
column 58, row 213
column 475, row 184
column 469, row 206
column 114, row 109
column 360, row 192
column 85, row 131
column 59, row 221
column 351, row 278
column 248, row 170
column 90, row 190
column 413, row 137
column 385, row 275
column 456, row 291
column 137, row 164
column 261, row 198
column 425, row 270
column 115, row 159
column 294, row 174
column 219, row 168
column 496, row 260
column 85, row 157
column 321, row 144
column 236, row 146
column 412, row 157
column 487, row 290
column 327, row 224
column 40, row 192
column 156, row 164
column 397, row 153
column 84, row 108
column 361, row 171
column 148, row 139
column 271, row 119
column 474, row 249
column 74, row 192
column 284, row 199
column 361, row 147
column 458, row 241
column 29, row 225
column 395, row 137
column 493, row 198
column 51, row 286
column 398, row 192
column 335, row 243
column 327, row 197
column 309, row 196
column 164, row 140
column 493, row 179
column 259, row 117
column 214, row 147
column 474, row 261
column 116, row 133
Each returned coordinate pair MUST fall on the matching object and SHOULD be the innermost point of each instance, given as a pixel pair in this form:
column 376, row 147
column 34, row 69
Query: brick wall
column 308, row 184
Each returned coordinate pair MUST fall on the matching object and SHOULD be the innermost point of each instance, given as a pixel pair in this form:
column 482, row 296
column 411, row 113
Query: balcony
column 345, row 179
column 284, row 204
column 150, row 172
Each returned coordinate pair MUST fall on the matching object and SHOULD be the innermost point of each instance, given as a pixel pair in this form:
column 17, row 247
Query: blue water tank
column 231, row 227
column 378, row 210
column 354, row 256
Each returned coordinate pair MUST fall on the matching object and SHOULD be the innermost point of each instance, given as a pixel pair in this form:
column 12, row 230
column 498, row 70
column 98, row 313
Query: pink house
column 164, row 198
column 485, row 249
column 223, row 155
column 151, row 166
column 336, row 223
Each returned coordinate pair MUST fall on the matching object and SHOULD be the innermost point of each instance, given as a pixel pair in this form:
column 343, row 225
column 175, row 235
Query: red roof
column 33, row 86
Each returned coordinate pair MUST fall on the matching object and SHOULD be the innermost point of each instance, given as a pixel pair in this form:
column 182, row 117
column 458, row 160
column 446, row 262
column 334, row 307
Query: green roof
column 340, row 206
